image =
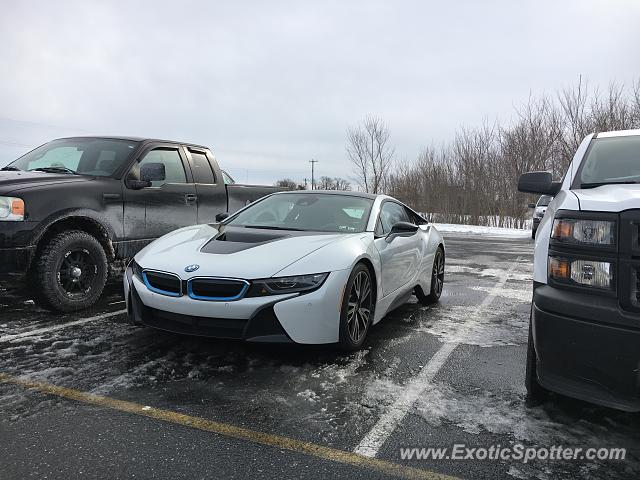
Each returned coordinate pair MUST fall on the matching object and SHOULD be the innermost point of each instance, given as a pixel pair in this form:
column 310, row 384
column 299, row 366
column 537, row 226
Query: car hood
column 231, row 252
column 609, row 198
column 11, row 181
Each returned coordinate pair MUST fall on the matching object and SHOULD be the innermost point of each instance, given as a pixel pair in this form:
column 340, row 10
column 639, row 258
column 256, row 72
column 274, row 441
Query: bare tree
column 474, row 178
column 330, row 183
column 287, row 183
column 371, row 153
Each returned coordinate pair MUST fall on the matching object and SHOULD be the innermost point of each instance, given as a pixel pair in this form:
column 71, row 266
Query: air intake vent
column 216, row 289
column 163, row 283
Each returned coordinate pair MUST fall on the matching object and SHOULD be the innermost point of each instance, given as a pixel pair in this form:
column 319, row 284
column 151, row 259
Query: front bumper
column 15, row 252
column 15, row 260
column 587, row 347
column 312, row 318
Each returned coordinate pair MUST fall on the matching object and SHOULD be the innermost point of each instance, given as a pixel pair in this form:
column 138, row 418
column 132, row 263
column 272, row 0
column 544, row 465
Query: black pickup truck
column 74, row 206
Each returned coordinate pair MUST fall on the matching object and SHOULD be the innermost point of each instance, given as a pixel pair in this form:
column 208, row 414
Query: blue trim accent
column 216, row 299
column 159, row 291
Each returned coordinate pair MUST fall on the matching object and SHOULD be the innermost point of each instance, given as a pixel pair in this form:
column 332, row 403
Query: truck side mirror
column 538, row 182
column 221, row 216
column 532, row 205
column 152, row 172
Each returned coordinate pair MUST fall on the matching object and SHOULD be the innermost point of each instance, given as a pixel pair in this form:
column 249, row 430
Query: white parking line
column 60, row 326
column 382, row 430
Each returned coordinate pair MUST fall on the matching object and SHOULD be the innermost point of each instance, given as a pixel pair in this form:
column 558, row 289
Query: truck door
column 211, row 191
column 167, row 204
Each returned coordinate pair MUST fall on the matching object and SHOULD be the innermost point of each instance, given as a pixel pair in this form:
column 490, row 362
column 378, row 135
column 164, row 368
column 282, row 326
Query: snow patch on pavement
column 488, row 272
column 496, row 326
column 481, row 230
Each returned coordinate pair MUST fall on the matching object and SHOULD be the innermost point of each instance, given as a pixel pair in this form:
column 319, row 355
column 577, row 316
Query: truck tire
column 536, row 393
column 70, row 272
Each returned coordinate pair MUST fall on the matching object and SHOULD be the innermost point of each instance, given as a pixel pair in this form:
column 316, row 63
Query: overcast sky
column 269, row 85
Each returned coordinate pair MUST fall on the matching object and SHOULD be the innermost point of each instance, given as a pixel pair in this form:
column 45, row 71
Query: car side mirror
column 538, row 182
column 221, row 216
column 152, row 172
column 532, row 205
column 402, row 229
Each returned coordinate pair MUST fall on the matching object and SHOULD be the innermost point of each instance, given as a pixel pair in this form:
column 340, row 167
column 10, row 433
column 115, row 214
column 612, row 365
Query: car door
column 164, row 206
column 399, row 255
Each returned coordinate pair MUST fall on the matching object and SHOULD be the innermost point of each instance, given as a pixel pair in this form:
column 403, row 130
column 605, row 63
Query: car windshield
column 308, row 212
column 611, row 160
column 544, row 201
column 86, row 156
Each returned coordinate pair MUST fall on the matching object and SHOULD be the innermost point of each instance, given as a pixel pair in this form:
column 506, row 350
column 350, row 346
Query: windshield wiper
column 273, row 227
column 10, row 168
column 54, row 170
column 599, row 184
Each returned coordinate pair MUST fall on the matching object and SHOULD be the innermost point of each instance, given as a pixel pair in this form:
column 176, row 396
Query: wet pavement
column 473, row 396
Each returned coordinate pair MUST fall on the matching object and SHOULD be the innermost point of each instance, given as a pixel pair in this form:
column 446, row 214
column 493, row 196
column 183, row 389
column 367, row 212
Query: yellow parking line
column 228, row 430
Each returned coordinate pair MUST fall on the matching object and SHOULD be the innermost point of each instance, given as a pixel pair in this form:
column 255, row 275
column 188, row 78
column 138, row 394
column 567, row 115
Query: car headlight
column 11, row 209
column 589, row 273
column 584, row 232
column 280, row 285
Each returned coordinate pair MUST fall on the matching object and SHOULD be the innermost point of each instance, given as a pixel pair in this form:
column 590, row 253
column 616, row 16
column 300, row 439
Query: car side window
column 173, row 166
column 414, row 217
column 390, row 214
column 202, row 172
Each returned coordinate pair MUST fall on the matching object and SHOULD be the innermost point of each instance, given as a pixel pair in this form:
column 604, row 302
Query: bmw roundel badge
column 191, row 268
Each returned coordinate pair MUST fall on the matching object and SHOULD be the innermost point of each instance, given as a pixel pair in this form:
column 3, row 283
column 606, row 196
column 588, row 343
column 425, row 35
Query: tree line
column 473, row 179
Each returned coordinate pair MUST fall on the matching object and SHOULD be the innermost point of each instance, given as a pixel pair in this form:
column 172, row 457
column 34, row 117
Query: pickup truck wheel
column 536, row 393
column 71, row 272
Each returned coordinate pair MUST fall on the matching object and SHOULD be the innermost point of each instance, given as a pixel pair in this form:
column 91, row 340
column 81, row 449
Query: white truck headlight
column 11, row 209
column 584, row 232
column 588, row 273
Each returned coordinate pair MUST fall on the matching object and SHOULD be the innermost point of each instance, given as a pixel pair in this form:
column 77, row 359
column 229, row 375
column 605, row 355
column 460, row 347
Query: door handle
column 110, row 197
column 190, row 199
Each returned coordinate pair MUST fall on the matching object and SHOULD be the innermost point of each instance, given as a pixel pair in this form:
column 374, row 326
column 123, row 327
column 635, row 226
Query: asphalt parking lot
column 89, row 395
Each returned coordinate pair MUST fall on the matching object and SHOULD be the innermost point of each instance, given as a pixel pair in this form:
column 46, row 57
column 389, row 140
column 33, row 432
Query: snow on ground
column 480, row 230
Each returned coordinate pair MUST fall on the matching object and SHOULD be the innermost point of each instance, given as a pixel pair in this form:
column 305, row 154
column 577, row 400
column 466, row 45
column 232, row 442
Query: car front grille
column 216, row 289
column 163, row 283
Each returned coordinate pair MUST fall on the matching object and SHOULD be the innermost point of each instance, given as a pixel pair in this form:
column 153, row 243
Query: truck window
column 174, row 168
column 202, row 172
column 89, row 156
column 227, row 178
column 610, row 160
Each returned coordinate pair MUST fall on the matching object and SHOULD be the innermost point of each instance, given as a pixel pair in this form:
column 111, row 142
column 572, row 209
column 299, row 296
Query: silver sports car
column 307, row 267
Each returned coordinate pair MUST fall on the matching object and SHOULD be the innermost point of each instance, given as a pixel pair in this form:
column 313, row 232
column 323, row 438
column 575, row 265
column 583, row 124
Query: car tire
column 70, row 272
column 358, row 308
column 536, row 393
column 437, row 280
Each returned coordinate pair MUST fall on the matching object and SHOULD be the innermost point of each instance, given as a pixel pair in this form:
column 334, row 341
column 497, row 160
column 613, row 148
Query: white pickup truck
column 584, row 333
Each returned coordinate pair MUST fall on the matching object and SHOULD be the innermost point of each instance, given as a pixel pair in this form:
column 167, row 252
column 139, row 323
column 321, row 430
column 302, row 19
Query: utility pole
column 313, row 178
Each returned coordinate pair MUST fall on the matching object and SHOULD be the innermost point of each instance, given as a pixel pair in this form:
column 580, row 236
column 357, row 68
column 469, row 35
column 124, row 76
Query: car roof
column 135, row 139
column 371, row 196
column 618, row 133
